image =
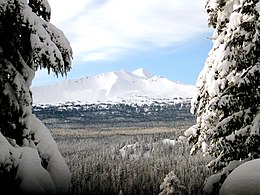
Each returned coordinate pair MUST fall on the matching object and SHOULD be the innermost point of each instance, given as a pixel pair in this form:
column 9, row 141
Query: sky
column 168, row 38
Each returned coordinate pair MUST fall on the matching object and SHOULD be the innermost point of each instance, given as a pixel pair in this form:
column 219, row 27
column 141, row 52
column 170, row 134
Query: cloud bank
column 108, row 29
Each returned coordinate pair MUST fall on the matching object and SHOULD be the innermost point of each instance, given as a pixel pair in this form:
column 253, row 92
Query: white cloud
column 106, row 29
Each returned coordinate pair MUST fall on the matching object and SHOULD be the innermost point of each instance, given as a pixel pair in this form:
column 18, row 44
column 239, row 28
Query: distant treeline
column 72, row 115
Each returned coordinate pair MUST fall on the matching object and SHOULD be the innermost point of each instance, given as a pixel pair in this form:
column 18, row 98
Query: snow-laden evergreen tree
column 30, row 161
column 171, row 185
column 227, row 104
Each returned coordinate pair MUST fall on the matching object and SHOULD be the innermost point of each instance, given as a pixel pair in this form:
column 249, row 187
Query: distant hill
column 138, row 87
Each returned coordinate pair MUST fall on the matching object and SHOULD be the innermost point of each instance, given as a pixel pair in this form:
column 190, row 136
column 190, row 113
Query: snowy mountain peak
column 114, row 87
column 142, row 73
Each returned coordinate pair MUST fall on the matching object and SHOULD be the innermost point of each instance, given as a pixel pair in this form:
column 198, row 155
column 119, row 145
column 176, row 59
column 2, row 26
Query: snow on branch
column 41, row 8
column 29, row 157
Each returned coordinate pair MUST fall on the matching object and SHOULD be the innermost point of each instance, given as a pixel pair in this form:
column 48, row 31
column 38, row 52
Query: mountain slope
column 115, row 87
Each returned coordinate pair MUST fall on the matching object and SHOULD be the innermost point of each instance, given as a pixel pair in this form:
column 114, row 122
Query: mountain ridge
column 138, row 87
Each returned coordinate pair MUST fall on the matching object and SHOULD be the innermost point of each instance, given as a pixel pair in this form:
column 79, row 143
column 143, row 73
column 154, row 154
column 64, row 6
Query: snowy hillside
column 138, row 87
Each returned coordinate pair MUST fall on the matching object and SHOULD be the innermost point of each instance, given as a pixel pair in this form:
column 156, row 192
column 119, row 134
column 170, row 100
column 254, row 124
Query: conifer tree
column 227, row 104
column 29, row 158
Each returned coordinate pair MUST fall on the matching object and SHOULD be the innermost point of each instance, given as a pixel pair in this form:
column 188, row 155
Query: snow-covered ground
column 122, row 86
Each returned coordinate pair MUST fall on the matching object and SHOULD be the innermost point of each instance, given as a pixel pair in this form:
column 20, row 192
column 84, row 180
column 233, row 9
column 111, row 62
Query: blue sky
column 169, row 38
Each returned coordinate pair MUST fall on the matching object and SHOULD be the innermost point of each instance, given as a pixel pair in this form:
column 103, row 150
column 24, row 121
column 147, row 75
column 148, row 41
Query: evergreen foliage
column 172, row 186
column 227, row 104
column 98, row 167
column 28, row 42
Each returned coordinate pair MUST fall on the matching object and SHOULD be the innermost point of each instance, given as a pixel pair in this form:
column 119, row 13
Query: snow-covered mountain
column 138, row 87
